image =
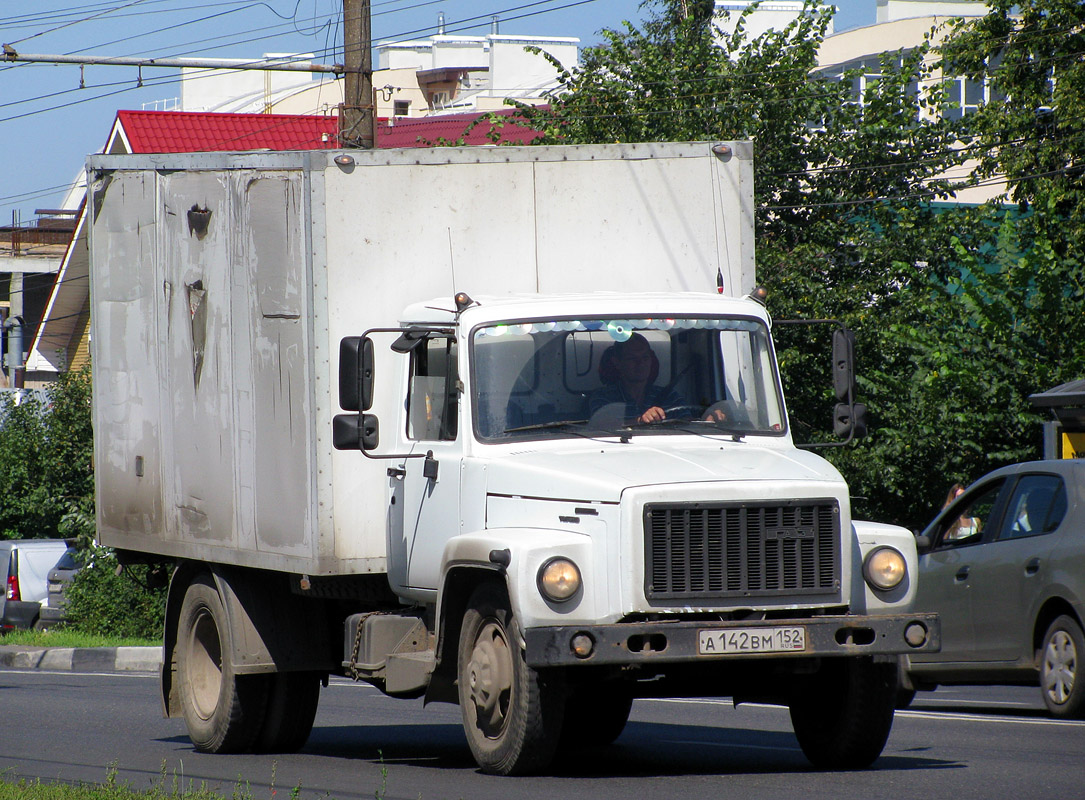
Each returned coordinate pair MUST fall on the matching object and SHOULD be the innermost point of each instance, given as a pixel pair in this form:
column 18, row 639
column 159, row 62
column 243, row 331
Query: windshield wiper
column 562, row 423
column 698, row 427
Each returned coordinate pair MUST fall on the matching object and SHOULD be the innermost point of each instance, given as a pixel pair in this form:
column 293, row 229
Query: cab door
column 430, row 490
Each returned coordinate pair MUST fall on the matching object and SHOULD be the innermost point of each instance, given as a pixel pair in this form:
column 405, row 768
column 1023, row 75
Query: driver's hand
column 653, row 414
column 715, row 415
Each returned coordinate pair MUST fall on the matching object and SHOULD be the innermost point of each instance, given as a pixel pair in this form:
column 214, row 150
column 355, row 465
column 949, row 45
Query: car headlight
column 559, row 579
column 884, row 568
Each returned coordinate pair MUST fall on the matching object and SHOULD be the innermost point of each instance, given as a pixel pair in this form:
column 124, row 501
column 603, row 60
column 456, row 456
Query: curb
column 81, row 659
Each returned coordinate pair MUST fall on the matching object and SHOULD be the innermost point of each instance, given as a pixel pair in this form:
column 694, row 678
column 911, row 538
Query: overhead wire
column 466, row 22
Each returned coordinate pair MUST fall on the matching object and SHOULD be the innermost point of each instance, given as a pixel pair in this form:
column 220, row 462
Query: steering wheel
column 690, row 412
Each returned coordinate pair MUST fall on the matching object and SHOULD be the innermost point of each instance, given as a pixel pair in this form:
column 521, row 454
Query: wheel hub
column 490, row 679
column 205, row 666
column 1060, row 667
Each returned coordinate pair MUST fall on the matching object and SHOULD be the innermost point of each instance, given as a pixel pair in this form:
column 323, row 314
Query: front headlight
column 559, row 579
column 884, row 568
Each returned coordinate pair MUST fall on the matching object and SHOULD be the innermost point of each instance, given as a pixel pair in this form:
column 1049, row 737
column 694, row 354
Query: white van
column 24, row 570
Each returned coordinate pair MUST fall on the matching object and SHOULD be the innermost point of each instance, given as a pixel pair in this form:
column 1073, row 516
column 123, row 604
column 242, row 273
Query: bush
column 107, row 601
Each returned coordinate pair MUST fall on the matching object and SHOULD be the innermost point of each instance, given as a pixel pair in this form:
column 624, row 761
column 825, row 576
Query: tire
column 1060, row 657
column 292, row 701
column 843, row 719
column 223, row 712
column 512, row 713
column 595, row 715
column 904, row 698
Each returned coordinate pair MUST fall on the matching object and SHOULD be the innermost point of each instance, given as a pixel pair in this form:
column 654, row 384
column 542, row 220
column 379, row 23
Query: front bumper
column 674, row 642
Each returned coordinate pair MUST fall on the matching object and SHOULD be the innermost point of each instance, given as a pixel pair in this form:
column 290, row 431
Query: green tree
column 955, row 367
column 46, row 460
column 1008, row 322
column 845, row 224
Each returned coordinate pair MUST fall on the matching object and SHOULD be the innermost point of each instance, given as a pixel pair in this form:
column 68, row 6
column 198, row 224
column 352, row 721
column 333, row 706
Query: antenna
column 451, row 260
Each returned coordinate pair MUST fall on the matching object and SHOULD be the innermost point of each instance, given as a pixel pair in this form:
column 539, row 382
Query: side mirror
column 844, row 364
column 922, row 543
column 355, row 432
column 355, row 373
column 849, row 422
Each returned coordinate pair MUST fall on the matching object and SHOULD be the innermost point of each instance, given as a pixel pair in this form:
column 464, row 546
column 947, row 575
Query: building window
column 400, row 108
column 965, row 96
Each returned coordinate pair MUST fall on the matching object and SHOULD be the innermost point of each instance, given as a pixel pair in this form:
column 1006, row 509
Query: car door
column 1010, row 572
column 945, row 571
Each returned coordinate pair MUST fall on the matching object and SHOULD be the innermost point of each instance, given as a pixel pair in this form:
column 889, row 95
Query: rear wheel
column 843, row 719
column 223, row 712
column 512, row 713
column 291, row 708
column 1061, row 654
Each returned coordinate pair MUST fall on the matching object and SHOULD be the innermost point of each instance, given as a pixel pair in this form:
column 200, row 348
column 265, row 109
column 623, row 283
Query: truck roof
column 441, row 309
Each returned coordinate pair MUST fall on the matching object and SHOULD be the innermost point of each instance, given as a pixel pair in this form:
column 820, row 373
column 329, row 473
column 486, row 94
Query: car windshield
column 605, row 376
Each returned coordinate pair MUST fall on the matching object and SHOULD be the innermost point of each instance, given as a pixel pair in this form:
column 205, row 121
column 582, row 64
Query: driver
column 628, row 370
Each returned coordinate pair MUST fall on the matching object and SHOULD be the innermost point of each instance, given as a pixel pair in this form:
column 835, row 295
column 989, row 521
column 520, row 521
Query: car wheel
column 512, row 713
column 223, row 712
column 1060, row 656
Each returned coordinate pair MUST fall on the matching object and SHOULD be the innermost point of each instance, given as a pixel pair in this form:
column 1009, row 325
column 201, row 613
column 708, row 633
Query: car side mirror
column 922, row 543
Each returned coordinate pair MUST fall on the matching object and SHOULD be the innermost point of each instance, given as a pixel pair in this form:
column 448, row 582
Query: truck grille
column 710, row 551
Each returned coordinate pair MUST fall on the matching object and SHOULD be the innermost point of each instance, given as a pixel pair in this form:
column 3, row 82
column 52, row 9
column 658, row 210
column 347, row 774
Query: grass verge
column 165, row 788
column 65, row 638
column 35, row 790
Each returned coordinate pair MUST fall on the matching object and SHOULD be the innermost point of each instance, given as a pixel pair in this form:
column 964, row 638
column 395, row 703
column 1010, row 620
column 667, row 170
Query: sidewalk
column 81, row 659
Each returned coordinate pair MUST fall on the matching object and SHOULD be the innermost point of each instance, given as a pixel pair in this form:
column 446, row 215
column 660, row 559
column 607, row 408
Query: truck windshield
column 591, row 377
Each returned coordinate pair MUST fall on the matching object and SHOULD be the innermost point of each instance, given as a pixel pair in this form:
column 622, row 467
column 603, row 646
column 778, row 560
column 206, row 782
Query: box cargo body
column 223, row 283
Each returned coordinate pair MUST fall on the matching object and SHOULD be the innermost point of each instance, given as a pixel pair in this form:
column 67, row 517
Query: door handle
column 962, row 574
column 1033, row 566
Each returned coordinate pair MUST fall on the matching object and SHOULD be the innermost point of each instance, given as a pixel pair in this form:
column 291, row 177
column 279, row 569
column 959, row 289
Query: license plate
column 752, row 640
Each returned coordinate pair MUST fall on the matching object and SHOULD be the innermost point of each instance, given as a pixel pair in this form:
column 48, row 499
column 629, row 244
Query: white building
column 413, row 78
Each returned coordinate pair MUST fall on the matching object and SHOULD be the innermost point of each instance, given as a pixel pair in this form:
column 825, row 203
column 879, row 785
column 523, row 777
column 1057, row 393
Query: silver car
column 1004, row 567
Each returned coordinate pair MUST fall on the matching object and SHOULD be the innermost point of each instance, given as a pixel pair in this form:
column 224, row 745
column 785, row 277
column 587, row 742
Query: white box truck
column 565, row 483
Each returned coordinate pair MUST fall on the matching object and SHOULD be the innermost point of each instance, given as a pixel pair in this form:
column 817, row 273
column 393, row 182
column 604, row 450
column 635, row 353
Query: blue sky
column 48, row 123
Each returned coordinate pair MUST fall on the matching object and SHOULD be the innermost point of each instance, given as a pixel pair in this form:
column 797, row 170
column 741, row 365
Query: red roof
column 427, row 131
column 188, row 132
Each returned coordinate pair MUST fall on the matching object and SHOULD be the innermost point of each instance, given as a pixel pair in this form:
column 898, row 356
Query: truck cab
column 619, row 470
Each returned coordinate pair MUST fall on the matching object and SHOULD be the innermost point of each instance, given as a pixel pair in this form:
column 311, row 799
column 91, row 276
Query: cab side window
column 969, row 517
column 433, row 398
column 1037, row 506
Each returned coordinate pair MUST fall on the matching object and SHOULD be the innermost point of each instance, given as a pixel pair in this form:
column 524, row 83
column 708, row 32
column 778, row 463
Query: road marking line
column 986, row 718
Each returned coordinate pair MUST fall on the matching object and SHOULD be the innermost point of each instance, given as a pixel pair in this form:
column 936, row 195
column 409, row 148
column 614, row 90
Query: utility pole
column 356, row 117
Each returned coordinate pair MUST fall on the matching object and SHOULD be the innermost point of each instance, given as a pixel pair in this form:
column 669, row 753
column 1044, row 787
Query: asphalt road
column 962, row 743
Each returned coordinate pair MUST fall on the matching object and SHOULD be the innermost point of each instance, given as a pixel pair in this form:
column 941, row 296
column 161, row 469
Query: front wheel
column 1060, row 655
column 843, row 718
column 512, row 714
column 595, row 715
